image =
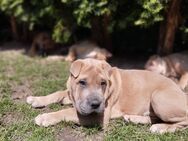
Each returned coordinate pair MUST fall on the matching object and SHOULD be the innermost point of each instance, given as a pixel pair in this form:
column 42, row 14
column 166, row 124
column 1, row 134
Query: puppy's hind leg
column 164, row 127
column 42, row 101
column 171, row 107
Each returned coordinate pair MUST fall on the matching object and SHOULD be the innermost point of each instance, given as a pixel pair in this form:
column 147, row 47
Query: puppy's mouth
column 86, row 113
column 83, row 111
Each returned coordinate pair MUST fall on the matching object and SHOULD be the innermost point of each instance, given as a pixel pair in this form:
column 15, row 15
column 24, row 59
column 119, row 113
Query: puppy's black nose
column 95, row 104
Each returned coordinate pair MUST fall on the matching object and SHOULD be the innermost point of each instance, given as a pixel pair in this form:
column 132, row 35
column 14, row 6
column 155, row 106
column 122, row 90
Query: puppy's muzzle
column 94, row 102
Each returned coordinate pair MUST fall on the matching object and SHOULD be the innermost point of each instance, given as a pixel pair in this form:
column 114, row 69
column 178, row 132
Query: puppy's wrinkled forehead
column 91, row 73
column 91, row 67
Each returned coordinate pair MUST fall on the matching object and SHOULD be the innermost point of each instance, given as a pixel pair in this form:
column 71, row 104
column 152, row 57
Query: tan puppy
column 99, row 93
column 87, row 49
column 41, row 45
column 173, row 66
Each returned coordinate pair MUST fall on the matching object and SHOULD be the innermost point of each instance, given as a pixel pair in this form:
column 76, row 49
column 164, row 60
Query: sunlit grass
column 17, row 117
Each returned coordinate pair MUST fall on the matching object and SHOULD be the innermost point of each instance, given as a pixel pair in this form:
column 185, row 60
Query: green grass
column 16, row 117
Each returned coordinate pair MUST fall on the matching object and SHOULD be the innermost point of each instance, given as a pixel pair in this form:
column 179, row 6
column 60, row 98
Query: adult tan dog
column 173, row 66
column 100, row 92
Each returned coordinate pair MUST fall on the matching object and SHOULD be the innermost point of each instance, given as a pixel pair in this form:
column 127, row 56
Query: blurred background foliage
column 136, row 25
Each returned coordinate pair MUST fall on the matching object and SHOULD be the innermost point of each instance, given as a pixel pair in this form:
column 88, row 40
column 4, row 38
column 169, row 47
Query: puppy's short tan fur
column 100, row 92
column 173, row 66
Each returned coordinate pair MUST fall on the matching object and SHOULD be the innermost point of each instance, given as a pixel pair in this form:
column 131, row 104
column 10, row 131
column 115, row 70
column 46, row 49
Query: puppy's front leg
column 41, row 101
column 106, row 118
column 48, row 119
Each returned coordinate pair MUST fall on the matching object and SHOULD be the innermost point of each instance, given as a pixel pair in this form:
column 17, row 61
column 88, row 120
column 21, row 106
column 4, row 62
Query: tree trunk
column 168, row 27
column 100, row 34
column 15, row 34
column 96, row 30
column 106, row 34
column 25, row 32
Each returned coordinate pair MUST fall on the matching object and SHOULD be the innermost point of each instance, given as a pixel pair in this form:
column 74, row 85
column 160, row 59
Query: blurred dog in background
column 174, row 66
column 87, row 49
column 42, row 45
column 82, row 50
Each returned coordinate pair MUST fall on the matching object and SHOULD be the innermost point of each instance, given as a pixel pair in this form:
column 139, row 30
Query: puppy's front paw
column 34, row 101
column 162, row 128
column 45, row 120
column 137, row 119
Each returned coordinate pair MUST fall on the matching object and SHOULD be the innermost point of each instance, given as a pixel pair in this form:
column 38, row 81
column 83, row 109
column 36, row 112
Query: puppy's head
column 89, row 81
column 156, row 64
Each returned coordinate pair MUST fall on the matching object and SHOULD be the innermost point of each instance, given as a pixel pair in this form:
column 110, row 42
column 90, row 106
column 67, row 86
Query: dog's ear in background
column 153, row 60
column 76, row 68
column 156, row 64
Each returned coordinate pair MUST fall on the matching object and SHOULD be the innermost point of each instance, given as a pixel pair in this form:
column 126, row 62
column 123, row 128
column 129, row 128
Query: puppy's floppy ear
column 76, row 68
column 106, row 67
column 112, row 81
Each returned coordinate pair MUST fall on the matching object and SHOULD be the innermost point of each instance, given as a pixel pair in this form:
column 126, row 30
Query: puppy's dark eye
column 82, row 82
column 103, row 83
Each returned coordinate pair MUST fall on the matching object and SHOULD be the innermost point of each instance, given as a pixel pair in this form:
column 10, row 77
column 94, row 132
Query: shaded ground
column 128, row 61
column 21, row 76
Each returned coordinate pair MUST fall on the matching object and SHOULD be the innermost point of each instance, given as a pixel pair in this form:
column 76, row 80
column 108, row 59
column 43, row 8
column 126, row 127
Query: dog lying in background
column 100, row 92
column 87, row 49
column 172, row 66
column 82, row 50
column 42, row 45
